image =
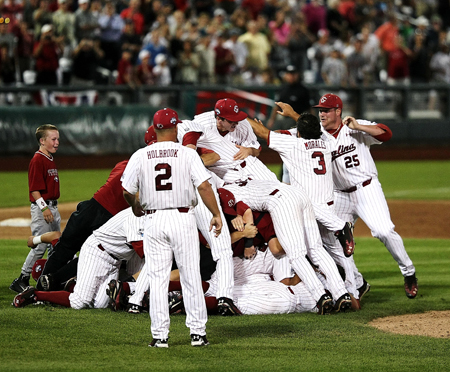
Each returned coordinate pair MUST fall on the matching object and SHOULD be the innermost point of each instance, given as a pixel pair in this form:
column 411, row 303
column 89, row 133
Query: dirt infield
column 413, row 219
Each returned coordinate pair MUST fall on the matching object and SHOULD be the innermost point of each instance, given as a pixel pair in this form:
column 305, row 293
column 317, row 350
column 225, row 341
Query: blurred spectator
column 150, row 10
column 356, row 63
column 240, row 53
column 299, row 40
column 334, row 69
column 398, row 63
column 125, row 69
column 203, row 6
column 363, row 12
column 96, row 8
column 155, row 43
column 7, row 66
column 25, row 42
column 28, row 10
column 47, row 51
column 347, row 10
column 144, row 72
column 64, row 26
column 7, row 37
column 86, row 23
column 292, row 92
column 336, row 23
column 280, row 28
column 420, row 59
column 279, row 33
column 175, row 20
column 440, row 65
column 252, row 77
column 371, row 52
column 41, row 16
column 161, row 71
column 224, row 61
column 111, row 26
column 318, row 52
column 443, row 9
column 254, row 7
column 387, row 34
column 220, row 20
column 207, row 58
column 240, row 18
column 130, row 41
column 432, row 36
column 258, row 47
column 86, row 59
column 188, row 64
column 316, row 16
column 133, row 13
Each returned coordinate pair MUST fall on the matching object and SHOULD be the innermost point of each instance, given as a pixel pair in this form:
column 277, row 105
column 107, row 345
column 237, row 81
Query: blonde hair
column 41, row 131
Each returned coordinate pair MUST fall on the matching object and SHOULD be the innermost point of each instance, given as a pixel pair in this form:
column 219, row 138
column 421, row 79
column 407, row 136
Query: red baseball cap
column 38, row 266
column 150, row 135
column 329, row 100
column 227, row 201
column 228, row 108
column 165, row 119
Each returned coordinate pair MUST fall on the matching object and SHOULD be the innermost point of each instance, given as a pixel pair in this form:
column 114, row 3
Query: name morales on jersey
column 171, row 153
column 342, row 150
column 315, row 144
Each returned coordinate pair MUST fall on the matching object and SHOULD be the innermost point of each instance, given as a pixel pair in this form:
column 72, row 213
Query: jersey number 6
column 163, row 176
column 323, row 168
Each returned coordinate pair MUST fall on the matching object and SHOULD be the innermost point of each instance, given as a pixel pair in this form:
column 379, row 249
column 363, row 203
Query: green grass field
column 39, row 338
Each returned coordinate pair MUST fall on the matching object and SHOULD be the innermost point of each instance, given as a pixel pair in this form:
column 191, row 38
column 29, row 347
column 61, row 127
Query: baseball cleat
column 45, row 282
column 70, row 284
column 226, row 307
column 133, row 309
column 363, row 289
column 156, row 342
column 176, row 304
column 197, row 340
column 27, row 297
column 345, row 237
column 20, row 284
column 343, row 304
column 411, row 286
column 325, row 305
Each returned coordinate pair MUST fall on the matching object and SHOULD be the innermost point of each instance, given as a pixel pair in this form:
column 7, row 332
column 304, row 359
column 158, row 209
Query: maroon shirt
column 48, row 59
column 43, row 177
column 110, row 195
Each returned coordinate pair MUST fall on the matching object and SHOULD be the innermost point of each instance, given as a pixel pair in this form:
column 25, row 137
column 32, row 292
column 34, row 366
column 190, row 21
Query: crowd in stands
column 247, row 42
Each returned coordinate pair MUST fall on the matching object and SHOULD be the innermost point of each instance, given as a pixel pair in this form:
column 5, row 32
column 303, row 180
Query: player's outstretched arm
column 287, row 110
column 373, row 130
column 47, row 237
column 207, row 194
column 245, row 152
column 134, row 203
column 258, row 127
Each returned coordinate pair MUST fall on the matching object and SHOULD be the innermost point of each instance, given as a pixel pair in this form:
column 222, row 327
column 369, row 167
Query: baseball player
column 296, row 228
column 227, row 132
column 43, row 185
column 119, row 239
column 166, row 175
column 255, row 291
column 308, row 160
column 358, row 192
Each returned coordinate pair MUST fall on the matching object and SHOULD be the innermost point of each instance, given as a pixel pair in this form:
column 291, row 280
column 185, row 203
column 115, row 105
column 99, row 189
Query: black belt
column 111, row 255
column 243, row 164
column 181, row 210
column 274, row 192
column 330, row 203
column 354, row 188
column 51, row 203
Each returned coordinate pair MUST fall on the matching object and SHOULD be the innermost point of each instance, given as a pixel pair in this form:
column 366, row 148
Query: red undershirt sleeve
column 241, row 207
column 191, row 138
column 138, row 248
column 386, row 136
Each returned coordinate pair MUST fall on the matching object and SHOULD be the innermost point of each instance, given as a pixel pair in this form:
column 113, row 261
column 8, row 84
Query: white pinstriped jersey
column 352, row 161
column 225, row 146
column 117, row 233
column 308, row 163
column 165, row 174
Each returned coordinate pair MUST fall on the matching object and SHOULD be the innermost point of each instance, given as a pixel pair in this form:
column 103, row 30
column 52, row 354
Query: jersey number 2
column 163, row 177
column 322, row 169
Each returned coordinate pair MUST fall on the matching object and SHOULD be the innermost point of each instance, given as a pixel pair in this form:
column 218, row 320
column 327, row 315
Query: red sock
column 55, row 297
column 174, row 286
column 126, row 287
column 211, row 303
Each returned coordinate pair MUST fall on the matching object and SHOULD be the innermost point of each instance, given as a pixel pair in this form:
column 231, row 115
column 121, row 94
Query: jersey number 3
column 160, row 186
column 322, row 169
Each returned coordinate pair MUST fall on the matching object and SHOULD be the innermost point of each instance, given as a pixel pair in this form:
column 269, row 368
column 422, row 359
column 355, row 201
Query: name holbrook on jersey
column 171, row 153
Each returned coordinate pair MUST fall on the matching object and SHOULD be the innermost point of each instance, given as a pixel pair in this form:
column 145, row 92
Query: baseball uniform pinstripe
column 353, row 166
column 225, row 146
column 165, row 175
column 296, row 228
column 100, row 258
